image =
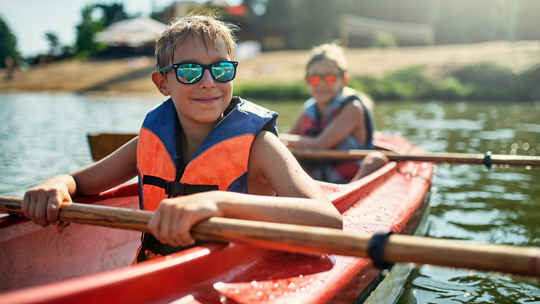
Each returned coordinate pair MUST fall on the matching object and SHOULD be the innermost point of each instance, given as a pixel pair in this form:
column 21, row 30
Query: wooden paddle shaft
column 295, row 238
column 458, row 158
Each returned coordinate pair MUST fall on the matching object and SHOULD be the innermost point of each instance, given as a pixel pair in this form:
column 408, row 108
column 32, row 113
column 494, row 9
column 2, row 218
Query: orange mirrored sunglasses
column 315, row 79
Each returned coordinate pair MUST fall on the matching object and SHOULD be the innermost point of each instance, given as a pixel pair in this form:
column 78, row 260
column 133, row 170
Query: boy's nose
column 207, row 80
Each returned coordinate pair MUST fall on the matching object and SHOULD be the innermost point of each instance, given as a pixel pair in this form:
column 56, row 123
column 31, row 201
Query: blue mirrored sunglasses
column 188, row 72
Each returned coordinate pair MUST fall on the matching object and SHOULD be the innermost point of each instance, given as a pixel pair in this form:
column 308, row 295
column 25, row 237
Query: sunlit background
column 451, row 75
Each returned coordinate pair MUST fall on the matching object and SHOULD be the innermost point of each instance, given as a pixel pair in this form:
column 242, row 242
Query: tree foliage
column 8, row 43
column 85, row 45
column 311, row 22
column 112, row 13
column 54, row 42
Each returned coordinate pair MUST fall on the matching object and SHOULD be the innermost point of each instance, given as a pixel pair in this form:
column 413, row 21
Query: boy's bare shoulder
column 368, row 102
column 265, row 143
column 267, row 149
column 353, row 108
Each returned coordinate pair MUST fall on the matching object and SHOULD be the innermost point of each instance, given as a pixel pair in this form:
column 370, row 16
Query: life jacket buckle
column 175, row 189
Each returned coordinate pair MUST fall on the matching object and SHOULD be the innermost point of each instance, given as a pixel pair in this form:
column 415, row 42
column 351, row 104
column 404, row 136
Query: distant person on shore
column 202, row 153
column 335, row 117
column 10, row 68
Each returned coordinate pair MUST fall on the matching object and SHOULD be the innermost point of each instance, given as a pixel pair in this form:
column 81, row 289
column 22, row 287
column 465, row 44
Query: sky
column 29, row 20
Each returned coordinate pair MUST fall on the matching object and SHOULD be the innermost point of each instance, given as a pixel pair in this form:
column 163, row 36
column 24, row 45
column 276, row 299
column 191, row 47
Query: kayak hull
column 27, row 260
column 394, row 197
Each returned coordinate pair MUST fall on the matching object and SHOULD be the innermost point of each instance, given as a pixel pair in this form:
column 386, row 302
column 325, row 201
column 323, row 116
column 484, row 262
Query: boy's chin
column 323, row 100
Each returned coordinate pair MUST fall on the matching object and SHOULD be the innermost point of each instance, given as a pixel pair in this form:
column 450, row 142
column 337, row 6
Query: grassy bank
column 480, row 81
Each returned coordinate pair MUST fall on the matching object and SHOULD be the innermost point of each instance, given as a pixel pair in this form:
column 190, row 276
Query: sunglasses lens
column 189, row 73
column 314, row 79
column 223, row 71
column 330, row 78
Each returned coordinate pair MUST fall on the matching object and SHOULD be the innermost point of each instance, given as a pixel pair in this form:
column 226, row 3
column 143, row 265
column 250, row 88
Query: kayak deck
column 394, row 197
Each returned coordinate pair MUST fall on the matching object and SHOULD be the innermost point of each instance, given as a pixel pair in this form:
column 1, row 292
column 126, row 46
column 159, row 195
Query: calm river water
column 45, row 134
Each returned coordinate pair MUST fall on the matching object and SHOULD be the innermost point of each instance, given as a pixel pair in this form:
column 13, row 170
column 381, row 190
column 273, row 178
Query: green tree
column 8, row 44
column 54, row 42
column 85, row 45
column 112, row 13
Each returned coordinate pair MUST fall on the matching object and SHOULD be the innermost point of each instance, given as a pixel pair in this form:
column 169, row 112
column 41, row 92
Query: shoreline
column 119, row 76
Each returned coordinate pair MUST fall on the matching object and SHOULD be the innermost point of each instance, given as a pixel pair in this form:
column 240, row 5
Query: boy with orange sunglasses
column 335, row 117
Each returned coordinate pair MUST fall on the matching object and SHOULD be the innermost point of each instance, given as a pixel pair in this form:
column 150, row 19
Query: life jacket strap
column 174, row 189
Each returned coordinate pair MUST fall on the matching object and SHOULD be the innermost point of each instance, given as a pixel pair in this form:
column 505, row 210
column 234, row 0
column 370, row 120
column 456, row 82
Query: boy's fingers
column 153, row 225
column 26, row 204
column 61, row 226
column 53, row 207
column 176, row 227
column 32, row 209
column 184, row 235
column 164, row 228
column 41, row 212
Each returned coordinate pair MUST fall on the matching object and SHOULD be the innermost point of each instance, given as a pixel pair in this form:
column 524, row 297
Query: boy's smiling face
column 205, row 100
column 323, row 92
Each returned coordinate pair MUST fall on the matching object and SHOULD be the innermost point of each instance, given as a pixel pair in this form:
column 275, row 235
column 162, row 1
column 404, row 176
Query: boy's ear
column 159, row 81
column 346, row 78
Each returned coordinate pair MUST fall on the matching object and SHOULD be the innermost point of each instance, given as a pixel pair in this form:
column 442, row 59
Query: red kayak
column 88, row 264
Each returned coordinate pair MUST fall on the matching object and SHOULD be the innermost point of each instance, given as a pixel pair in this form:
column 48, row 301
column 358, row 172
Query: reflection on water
column 45, row 134
column 42, row 135
column 470, row 202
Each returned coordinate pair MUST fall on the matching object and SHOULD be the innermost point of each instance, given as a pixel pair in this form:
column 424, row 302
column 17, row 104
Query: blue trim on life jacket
column 245, row 118
column 160, row 121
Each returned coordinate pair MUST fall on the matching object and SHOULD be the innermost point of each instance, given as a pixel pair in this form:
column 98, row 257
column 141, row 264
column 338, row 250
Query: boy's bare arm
column 41, row 203
column 109, row 172
column 349, row 121
column 300, row 200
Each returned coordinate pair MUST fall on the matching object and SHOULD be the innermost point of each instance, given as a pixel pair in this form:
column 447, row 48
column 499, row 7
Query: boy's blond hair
column 329, row 51
column 188, row 26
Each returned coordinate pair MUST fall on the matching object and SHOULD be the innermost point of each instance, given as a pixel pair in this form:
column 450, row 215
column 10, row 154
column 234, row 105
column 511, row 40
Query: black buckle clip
column 175, row 189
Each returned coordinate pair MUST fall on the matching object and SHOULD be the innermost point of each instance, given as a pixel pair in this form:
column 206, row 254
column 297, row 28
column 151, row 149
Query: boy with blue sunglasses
column 335, row 117
column 201, row 153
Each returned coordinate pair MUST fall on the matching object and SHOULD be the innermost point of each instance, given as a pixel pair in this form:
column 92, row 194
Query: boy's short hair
column 188, row 26
column 329, row 51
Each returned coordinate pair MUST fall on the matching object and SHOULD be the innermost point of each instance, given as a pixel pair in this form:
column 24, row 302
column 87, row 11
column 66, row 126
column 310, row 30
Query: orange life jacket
column 220, row 162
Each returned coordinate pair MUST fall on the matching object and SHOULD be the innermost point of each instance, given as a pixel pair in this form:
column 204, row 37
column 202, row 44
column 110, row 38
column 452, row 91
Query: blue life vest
column 312, row 123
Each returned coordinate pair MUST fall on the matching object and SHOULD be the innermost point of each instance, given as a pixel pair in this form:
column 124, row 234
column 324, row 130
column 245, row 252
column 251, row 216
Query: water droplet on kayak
column 276, row 285
column 259, row 293
column 237, row 291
